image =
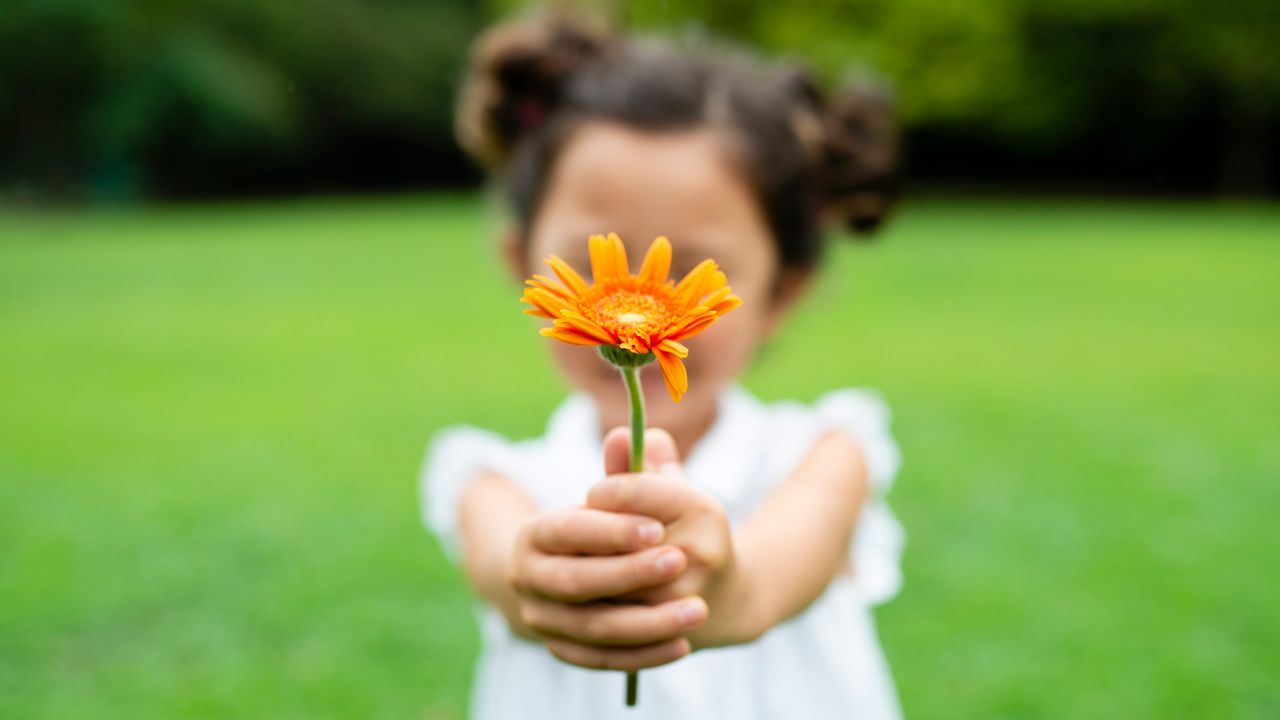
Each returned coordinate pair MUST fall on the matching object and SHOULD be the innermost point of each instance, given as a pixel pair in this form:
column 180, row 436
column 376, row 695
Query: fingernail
column 670, row 469
column 650, row 533
column 690, row 611
column 668, row 562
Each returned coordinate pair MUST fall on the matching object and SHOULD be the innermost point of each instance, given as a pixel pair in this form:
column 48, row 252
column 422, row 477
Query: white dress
column 823, row 663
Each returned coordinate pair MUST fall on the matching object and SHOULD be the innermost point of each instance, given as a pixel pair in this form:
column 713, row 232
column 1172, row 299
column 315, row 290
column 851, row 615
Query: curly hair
column 809, row 157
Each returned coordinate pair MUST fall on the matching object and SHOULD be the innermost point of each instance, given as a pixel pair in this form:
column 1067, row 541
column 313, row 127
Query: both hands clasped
column 638, row 576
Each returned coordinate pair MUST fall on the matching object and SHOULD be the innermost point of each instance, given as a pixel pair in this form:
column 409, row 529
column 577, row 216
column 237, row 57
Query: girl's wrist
column 738, row 613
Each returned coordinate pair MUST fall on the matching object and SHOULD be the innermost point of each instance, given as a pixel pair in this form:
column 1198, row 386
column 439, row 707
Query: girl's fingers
column 594, row 532
column 658, row 496
column 611, row 624
column 633, row 658
column 659, row 450
column 681, row 587
column 580, row 579
column 617, row 451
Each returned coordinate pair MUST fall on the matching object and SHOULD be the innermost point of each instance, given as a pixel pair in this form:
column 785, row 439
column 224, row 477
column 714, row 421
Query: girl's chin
column 611, row 393
column 651, row 381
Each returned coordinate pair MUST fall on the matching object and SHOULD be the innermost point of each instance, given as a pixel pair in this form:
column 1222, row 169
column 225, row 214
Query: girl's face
column 610, row 178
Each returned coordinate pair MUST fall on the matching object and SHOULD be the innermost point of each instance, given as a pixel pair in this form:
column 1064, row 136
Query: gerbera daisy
column 646, row 315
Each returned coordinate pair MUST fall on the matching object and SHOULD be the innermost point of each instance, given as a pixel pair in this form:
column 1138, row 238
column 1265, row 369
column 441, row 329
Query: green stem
column 631, row 376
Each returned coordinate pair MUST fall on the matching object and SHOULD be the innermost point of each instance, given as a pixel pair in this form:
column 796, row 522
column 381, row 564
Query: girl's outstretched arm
column 797, row 542
column 490, row 514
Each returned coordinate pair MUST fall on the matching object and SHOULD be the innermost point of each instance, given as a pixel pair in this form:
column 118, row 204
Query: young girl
column 740, row 569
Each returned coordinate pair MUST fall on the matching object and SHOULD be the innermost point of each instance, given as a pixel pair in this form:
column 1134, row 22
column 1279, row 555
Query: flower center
column 633, row 315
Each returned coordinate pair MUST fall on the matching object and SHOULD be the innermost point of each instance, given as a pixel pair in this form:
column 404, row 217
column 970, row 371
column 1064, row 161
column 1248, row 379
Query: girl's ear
column 513, row 253
column 792, row 284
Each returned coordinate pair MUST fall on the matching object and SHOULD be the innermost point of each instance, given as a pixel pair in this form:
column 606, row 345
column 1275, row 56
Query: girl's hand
column 694, row 522
column 567, row 565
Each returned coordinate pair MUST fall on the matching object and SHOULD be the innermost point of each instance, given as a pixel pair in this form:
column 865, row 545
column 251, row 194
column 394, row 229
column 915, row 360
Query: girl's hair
column 807, row 156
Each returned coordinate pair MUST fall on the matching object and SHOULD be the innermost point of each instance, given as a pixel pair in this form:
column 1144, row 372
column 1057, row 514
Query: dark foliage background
column 129, row 99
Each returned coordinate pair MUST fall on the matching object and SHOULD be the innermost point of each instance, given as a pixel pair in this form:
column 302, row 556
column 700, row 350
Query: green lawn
column 212, row 418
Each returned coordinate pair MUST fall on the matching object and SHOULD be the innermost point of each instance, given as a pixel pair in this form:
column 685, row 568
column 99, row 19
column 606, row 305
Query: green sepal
column 623, row 358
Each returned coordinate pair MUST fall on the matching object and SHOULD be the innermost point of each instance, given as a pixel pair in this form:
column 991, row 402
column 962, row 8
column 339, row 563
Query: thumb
column 617, row 451
column 660, row 453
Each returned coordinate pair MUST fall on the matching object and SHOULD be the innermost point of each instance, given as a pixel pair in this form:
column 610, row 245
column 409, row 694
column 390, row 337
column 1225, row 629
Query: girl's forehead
column 640, row 184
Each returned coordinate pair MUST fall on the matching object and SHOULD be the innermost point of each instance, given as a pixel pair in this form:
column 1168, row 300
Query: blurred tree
column 146, row 97
column 1145, row 86
column 228, row 96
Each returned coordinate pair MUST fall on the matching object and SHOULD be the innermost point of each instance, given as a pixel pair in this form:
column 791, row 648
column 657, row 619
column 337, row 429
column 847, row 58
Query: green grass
column 212, row 418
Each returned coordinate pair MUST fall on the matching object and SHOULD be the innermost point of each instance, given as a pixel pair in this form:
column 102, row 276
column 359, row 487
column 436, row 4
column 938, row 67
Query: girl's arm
column 773, row 566
column 490, row 515
column 790, row 549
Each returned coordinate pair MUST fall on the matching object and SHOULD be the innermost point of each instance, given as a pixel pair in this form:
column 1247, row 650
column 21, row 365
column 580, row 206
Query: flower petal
column 713, row 284
column 703, row 279
column 620, row 268
column 550, row 305
column 715, row 297
column 567, row 336
column 657, row 262
column 697, row 315
column 575, row 320
column 674, row 348
column 570, row 277
column 601, row 253
column 727, row 304
column 546, row 284
column 694, row 327
column 608, row 258
column 542, row 281
column 673, row 373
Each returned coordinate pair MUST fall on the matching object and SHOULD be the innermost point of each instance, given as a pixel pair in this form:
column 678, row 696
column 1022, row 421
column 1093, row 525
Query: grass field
column 212, row 418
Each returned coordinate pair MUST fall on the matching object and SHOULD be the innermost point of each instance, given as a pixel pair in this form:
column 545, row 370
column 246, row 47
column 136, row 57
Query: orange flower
column 643, row 313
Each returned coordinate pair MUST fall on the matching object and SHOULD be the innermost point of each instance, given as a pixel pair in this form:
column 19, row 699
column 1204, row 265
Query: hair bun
column 858, row 170
column 516, row 79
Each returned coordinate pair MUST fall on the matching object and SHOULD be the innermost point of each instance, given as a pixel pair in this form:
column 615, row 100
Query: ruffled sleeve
column 864, row 416
column 454, row 457
column 876, row 548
